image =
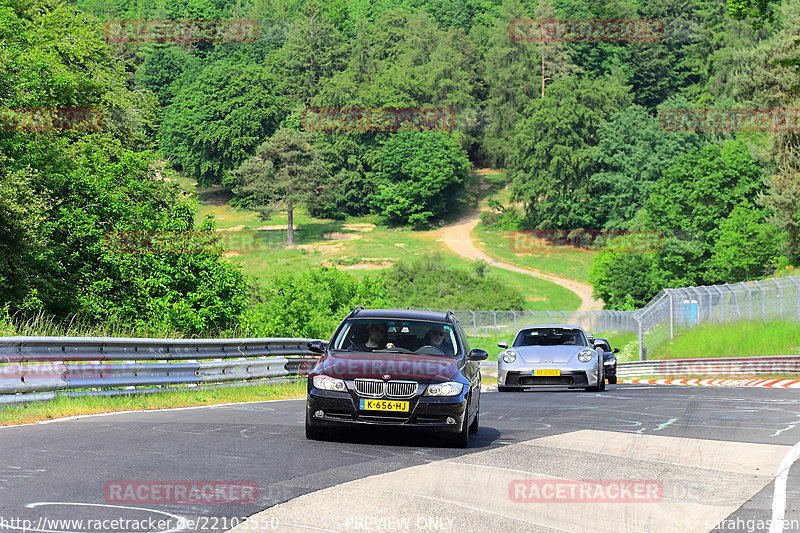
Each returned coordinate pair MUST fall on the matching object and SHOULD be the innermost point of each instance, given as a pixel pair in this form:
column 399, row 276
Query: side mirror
column 477, row 354
column 316, row 346
column 616, row 350
column 503, row 344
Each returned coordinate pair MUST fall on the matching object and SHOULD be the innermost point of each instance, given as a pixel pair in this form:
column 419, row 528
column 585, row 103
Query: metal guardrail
column 30, row 366
column 712, row 367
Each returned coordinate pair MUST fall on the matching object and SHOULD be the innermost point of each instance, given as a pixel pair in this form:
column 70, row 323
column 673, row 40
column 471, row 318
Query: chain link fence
column 671, row 312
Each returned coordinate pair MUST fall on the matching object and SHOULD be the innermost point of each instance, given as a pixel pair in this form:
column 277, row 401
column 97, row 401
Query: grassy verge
column 565, row 261
column 65, row 406
column 736, row 339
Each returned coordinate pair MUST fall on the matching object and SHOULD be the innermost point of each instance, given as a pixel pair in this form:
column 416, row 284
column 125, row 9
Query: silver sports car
column 551, row 355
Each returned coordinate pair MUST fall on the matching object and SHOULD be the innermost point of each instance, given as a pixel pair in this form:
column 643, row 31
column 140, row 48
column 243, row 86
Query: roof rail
column 356, row 309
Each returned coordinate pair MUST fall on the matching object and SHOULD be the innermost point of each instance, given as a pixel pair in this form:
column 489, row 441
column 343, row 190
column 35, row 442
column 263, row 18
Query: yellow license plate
column 547, row 372
column 383, row 405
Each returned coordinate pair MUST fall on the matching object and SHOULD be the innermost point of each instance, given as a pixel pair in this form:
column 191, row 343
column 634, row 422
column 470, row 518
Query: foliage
column 420, row 174
column 218, row 119
column 501, row 217
column 310, row 304
column 286, row 170
column 553, row 156
column 428, row 282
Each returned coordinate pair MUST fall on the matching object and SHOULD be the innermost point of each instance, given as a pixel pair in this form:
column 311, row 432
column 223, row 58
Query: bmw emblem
column 386, row 376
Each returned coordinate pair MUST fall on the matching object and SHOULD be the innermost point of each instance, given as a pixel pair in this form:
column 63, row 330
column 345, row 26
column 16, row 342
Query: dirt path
column 457, row 237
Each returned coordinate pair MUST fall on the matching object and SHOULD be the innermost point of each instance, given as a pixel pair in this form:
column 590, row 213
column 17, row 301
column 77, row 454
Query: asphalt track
column 714, row 453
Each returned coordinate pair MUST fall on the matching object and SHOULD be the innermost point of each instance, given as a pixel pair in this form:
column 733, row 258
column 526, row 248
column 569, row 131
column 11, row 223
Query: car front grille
column 375, row 388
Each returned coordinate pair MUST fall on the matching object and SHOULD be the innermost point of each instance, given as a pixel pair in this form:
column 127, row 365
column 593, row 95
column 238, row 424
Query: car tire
column 473, row 428
column 461, row 439
column 612, row 380
column 314, row 433
column 601, row 383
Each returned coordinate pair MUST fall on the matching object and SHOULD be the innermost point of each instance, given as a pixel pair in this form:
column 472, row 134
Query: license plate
column 547, row 372
column 382, row 405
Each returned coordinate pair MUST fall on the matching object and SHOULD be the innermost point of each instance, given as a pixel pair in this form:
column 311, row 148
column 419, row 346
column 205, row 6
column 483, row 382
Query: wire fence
column 670, row 313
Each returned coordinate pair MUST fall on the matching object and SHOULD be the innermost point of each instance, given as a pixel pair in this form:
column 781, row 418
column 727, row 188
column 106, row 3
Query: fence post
column 549, row 317
column 763, row 301
column 639, row 333
column 721, row 304
column 699, row 304
column 749, row 303
column 780, row 297
column 533, row 314
column 474, row 323
column 671, row 313
column 495, row 322
column 797, row 293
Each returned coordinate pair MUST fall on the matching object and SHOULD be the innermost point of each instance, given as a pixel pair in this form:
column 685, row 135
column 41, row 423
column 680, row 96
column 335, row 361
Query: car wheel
column 461, row 439
column 601, row 384
column 473, row 428
column 314, row 433
column 612, row 380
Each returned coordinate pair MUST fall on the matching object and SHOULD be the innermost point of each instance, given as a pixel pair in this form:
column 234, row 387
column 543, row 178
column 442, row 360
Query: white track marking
column 779, row 494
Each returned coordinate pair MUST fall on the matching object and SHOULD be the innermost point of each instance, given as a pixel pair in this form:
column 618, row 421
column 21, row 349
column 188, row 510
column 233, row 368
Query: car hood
column 351, row 365
column 548, row 354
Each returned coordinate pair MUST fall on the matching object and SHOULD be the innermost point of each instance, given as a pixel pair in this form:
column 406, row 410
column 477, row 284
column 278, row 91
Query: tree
column 286, row 169
column 553, row 159
column 419, row 175
column 217, row 120
column 514, row 77
column 632, row 152
column 746, row 248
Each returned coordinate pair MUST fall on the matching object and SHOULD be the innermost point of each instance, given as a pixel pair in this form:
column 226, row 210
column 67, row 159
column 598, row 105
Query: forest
column 581, row 127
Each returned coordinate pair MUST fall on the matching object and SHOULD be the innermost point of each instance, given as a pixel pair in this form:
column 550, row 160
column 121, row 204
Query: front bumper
column 521, row 376
column 340, row 409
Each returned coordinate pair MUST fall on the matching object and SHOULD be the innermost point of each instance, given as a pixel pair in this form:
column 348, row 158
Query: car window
column 407, row 336
column 550, row 337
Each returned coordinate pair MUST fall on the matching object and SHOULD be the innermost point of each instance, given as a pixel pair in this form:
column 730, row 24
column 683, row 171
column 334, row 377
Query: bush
column 428, row 282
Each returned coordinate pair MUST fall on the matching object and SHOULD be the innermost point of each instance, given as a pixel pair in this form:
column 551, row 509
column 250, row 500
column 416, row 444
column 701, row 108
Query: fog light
column 450, row 420
column 319, row 414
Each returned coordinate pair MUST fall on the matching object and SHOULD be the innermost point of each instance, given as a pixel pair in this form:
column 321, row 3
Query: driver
column 438, row 338
column 378, row 335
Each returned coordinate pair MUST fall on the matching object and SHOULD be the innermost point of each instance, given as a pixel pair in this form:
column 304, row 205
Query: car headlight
column 584, row 356
column 509, row 356
column 451, row 388
column 328, row 383
column 609, row 362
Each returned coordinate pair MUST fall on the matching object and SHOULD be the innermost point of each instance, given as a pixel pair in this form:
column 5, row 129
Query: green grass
column 563, row 261
column 738, row 339
column 64, row 406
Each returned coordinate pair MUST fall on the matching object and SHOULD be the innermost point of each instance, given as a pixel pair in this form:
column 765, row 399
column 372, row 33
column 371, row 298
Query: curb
column 780, row 383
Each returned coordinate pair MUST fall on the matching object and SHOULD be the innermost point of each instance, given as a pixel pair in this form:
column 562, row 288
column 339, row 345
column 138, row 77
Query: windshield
column 406, row 336
column 551, row 337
